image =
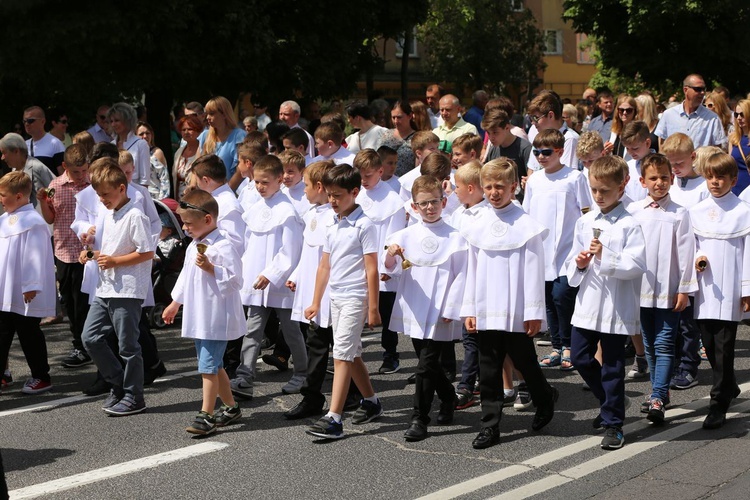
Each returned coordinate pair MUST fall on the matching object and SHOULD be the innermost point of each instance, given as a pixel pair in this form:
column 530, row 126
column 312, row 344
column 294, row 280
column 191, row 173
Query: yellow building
column 568, row 69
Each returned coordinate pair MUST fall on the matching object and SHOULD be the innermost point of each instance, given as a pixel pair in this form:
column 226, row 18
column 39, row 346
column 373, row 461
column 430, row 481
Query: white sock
column 373, row 399
column 509, row 392
column 335, row 416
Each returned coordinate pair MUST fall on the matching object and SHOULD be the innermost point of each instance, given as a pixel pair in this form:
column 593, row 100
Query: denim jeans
column 659, row 327
column 561, row 301
column 470, row 366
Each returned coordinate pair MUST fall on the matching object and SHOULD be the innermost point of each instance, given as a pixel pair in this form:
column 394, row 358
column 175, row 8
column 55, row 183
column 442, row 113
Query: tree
column 78, row 54
column 663, row 40
column 482, row 43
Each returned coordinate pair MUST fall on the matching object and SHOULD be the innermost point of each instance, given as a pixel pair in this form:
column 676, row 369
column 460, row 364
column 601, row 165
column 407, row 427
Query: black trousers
column 431, row 378
column 318, row 343
column 447, row 355
column 493, row 347
column 73, row 300
column 719, row 339
column 32, row 342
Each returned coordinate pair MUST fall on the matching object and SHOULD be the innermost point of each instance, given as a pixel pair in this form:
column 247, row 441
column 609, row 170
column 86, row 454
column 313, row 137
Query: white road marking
column 46, row 405
column 533, row 463
column 70, row 482
column 612, row 458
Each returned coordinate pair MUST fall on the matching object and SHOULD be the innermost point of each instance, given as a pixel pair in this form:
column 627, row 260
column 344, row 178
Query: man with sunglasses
column 100, row 130
column 692, row 118
column 43, row 146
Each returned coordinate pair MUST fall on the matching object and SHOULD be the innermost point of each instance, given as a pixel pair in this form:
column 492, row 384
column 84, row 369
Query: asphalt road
column 61, row 445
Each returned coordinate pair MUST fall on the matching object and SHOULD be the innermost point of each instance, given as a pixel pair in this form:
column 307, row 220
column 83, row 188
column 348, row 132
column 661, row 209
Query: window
column 553, row 41
column 516, row 5
column 412, row 52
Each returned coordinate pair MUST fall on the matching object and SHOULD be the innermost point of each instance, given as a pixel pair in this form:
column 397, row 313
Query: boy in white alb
column 556, row 196
column 247, row 155
column 637, row 140
column 209, row 287
column 429, row 294
column 328, row 138
column 688, row 190
column 670, row 276
column 606, row 262
column 385, row 208
column 349, row 267
column 273, row 243
column 27, row 279
column 210, row 174
column 470, row 194
column 302, row 282
column 504, row 299
column 423, row 143
column 124, row 263
column 439, row 166
column 294, row 187
column 721, row 225
column 389, row 160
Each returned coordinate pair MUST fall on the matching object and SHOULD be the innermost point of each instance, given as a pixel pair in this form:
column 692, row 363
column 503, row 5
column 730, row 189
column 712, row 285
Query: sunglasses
column 739, row 115
column 64, row 121
column 102, row 117
column 185, row 206
column 696, row 89
column 710, row 105
column 626, row 111
column 543, row 152
column 29, row 121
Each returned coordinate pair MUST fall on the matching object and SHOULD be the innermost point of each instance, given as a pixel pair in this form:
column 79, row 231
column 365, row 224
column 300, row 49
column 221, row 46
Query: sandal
column 564, row 360
column 552, row 360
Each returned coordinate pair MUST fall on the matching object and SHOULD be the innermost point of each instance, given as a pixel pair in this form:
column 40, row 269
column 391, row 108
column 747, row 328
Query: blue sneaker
column 367, row 412
column 682, row 381
column 326, row 428
column 113, row 398
column 127, row 406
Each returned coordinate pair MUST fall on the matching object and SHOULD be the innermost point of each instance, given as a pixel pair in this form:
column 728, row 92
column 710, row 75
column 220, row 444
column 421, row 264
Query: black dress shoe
column 277, row 362
column 489, row 436
column 303, row 409
column 151, row 374
column 545, row 412
column 715, row 419
column 412, row 379
column 417, row 431
column 100, row 386
column 447, row 408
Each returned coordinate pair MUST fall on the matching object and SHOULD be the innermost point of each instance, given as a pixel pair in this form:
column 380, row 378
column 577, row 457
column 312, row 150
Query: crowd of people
column 444, row 224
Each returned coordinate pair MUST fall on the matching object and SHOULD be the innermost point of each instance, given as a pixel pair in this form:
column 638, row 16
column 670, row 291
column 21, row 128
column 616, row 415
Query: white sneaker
column 640, row 368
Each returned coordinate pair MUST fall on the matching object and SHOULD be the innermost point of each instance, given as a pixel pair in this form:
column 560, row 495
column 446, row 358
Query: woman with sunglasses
column 625, row 112
column 716, row 103
column 223, row 136
column 739, row 144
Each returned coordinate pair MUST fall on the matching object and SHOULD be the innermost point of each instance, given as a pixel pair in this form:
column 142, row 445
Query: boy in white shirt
column 423, row 143
column 607, row 269
column 556, row 196
column 504, row 299
column 385, row 208
column 302, row 283
column 210, row 174
column 296, row 139
column 328, row 138
column 27, row 279
column 294, row 188
column 248, row 154
column 349, row 267
column 124, row 262
column 273, row 243
column 670, row 248
column 209, row 287
column 636, row 138
column 429, row 294
column 721, row 225
column 590, row 147
column 465, row 148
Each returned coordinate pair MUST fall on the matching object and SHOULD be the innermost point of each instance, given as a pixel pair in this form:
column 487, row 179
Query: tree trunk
column 408, row 36
column 159, row 105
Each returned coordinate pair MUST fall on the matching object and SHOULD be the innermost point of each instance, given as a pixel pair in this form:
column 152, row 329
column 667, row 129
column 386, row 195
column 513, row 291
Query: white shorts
column 348, row 318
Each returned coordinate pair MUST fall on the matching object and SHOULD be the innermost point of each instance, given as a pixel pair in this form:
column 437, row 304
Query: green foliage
column 660, row 40
column 481, row 43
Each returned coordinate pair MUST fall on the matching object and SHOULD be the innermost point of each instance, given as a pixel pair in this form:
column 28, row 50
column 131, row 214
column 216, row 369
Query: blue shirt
column 602, row 126
column 702, row 126
column 227, row 150
column 474, row 116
